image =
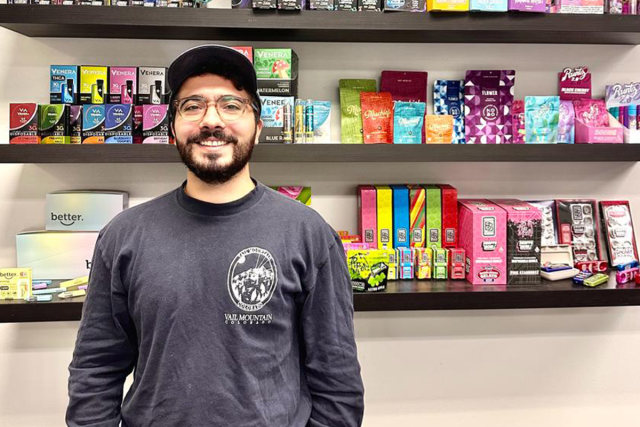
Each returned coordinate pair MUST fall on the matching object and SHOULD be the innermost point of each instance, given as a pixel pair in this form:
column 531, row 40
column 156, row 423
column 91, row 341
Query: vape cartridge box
column 118, row 124
column 384, row 216
column 434, row 216
column 155, row 124
column 447, row 5
column 56, row 255
column 405, row 5
column 417, row 216
column 456, row 263
column 581, row 6
column 274, row 118
column 405, row 264
column 53, row 123
column 321, row 4
column 574, row 83
column 524, row 241
column 483, row 237
column 528, row 5
column 93, row 84
column 371, row 5
column 138, row 113
column 83, row 210
column 401, row 226
column 277, row 72
column 93, row 117
column 488, row 5
column 291, row 4
column 449, row 216
column 440, row 264
column 152, row 85
column 346, row 5
column 265, row 4
column 422, row 262
column 63, row 86
column 393, row 263
column 123, row 83
column 15, row 283
column 367, row 207
column 247, row 51
column 23, row 124
column 75, row 124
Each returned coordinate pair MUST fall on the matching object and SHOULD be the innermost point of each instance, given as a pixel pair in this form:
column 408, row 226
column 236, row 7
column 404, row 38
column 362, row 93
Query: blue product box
column 93, row 122
column 400, row 216
column 118, row 124
column 489, row 5
column 63, row 84
column 406, row 266
column 448, row 99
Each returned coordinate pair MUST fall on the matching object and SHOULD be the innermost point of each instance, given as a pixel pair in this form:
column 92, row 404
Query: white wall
column 525, row 368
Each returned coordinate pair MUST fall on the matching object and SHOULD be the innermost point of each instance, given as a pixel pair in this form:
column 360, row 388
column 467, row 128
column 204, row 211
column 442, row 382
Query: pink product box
column 528, row 5
column 574, row 83
column 367, row 209
column 612, row 134
column 581, row 6
column 483, row 236
column 355, row 247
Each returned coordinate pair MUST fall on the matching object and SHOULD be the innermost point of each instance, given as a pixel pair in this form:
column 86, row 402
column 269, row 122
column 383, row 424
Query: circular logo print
column 252, row 279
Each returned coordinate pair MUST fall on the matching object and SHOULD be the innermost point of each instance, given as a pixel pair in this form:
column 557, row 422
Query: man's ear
column 259, row 127
column 172, row 131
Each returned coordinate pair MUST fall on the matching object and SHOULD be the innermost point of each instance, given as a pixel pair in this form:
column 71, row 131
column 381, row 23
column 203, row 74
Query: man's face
column 215, row 164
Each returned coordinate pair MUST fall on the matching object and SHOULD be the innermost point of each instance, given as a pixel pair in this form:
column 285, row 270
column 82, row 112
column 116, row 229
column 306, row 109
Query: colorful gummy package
column 591, row 112
column 408, row 120
column 542, row 114
column 377, row 114
column 351, row 117
column 566, row 125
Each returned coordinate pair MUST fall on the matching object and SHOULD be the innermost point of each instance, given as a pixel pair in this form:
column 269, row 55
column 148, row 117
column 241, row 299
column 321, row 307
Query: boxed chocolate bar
column 618, row 227
column 277, row 72
column 448, row 99
column 579, row 226
column 23, row 123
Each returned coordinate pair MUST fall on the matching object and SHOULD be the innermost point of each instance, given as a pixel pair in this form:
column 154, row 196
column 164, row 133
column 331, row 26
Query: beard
column 211, row 171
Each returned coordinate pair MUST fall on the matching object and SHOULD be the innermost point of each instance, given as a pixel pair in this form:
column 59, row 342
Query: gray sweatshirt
column 233, row 315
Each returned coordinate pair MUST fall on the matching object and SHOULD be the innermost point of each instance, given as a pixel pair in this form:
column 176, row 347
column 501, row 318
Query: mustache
column 216, row 133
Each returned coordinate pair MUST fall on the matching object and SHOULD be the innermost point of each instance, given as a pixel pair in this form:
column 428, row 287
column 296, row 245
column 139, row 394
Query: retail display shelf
column 317, row 26
column 358, row 153
column 404, row 295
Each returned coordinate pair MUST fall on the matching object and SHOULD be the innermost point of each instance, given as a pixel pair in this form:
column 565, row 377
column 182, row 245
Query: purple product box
column 155, row 124
column 123, row 82
column 241, row 4
column 487, row 106
column 528, row 5
column 75, row 124
column 622, row 94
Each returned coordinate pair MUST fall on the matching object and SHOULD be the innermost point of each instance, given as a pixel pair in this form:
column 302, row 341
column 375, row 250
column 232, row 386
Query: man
column 230, row 303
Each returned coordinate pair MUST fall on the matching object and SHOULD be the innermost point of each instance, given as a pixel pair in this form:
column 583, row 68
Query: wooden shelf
column 273, row 153
column 318, row 26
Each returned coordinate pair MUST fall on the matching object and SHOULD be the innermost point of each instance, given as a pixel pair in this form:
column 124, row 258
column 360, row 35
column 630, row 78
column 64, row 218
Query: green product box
column 368, row 269
column 93, row 84
column 53, row 123
column 440, row 263
column 434, row 216
column 277, row 72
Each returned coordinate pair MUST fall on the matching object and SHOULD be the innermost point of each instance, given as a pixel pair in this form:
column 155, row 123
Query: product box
column 422, row 262
column 15, row 283
column 370, row 5
column 155, row 124
column 579, row 226
column 558, row 254
column 138, row 114
column 321, row 5
column 405, row 5
column 93, row 124
column 405, row 264
column 384, row 216
column 447, row 5
column 152, row 86
column 368, row 269
column 56, row 255
column 488, row 98
column 448, row 99
column 528, row 5
column 123, row 84
column 276, row 110
column 574, row 83
column 23, row 124
column 449, row 202
column 488, row 5
column 401, row 225
column 524, row 241
column 618, row 227
column 588, row 134
column 247, row 51
column 351, row 113
column 392, row 256
column 346, row 5
column 542, row 117
column 241, row 4
column 75, row 124
column 547, row 210
column 118, row 124
column 291, row 4
column 434, row 216
column 440, row 263
column 581, row 6
column 93, row 84
column 83, row 210
column 417, row 215
column 623, row 96
column 265, row 4
column 367, row 214
column 297, row 193
column 63, row 87
column 277, row 72
column 53, row 123
column 483, row 237
column 456, row 264
column 518, row 122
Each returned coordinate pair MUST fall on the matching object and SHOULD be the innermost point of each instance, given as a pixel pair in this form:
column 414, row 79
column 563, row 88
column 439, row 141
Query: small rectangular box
column 93, row 124
column 15, row 283
column 422, row 262
column 418, row 215
column 321, row 4
column 579, row 226
column 401, row 226
column 118, row 124
column 434, row 216
column 581, row 6
column 53, row 123
column 618, row 227
column 393, row 263
column 449, row 215
column 574, row 83
column 440, row 264
column 291, row 4
column 75, row 124
column 83, row 210
column 404, row 6
column 367, row 207
column 152, row 85
column 384, row 215
column 93, row 84
column 405, row 261
column 346, row 5
column 123, row 85
column 273, row 117
column 483, row 237
column 63, row 87
column 265, row 4
column 587, row 134
column 138, row 113
column 447, row 5
column 155, row 124
column 56, row 255
column 528, row 5
column 488, row 5
column 456, row 263
column 23, row 124
column 277, row 72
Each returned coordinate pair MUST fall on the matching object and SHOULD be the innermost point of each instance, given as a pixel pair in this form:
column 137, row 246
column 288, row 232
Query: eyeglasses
column 229, row 107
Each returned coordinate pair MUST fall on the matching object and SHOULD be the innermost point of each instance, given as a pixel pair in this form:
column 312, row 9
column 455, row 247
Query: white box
column 56, row 255
column 83, row 210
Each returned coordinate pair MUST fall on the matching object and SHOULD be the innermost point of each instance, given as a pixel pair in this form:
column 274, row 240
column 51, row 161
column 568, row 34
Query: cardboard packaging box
column 384, row 216
column 405, row 261
column 93, row 84
column 23, row 124
column 401, row 226
column 483, row 236
column 83, row 210
column 75, row 124
column 434, row 216
column 123, row 85
column 119, row 124
column 574, row 83
column 274, row 117
column 488, row 5
column 277, row 72
column 15, row 283
column 291, row 4
column 322, row 5
column 456, row 263
column 368, row 269
column 422, row 259
column 346, row 5
column 56, row 255
column 152, row 86
column 579, row 226
column 528, row 5
column 392, row 255
column 447, row 5
column 63, row 87
column 404, row 5
column 449, row 201
column 93, row 124
column 367, row 214
column 418, row 215
column 581, row 6
column 155, row 124
column 618, row 227
column 138, row 114
column 265, row 4
column 53, row 123
column 440, row 264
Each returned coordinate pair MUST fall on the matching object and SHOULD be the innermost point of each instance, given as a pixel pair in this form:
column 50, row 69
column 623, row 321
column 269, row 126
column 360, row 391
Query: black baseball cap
column 210, row 57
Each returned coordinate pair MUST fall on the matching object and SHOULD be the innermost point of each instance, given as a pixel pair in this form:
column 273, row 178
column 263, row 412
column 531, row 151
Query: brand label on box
column 23, row 124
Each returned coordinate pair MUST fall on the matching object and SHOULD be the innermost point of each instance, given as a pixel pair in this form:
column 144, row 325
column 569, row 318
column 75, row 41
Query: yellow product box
column 384, row 204
column 422, row 262
column 392, row 255
column 15, row 283
column 447, row 5
column 72, row 285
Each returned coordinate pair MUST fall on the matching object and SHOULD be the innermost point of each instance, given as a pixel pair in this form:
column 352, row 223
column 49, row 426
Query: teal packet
column 408, row 120
column 542, row 116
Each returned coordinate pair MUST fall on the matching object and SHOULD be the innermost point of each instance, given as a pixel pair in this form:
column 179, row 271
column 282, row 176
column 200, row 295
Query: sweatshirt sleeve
column 331, row 361
column 105, row 351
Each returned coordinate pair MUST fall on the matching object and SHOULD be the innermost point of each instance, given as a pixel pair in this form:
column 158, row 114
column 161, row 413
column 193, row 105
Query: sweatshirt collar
column 219, row 209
